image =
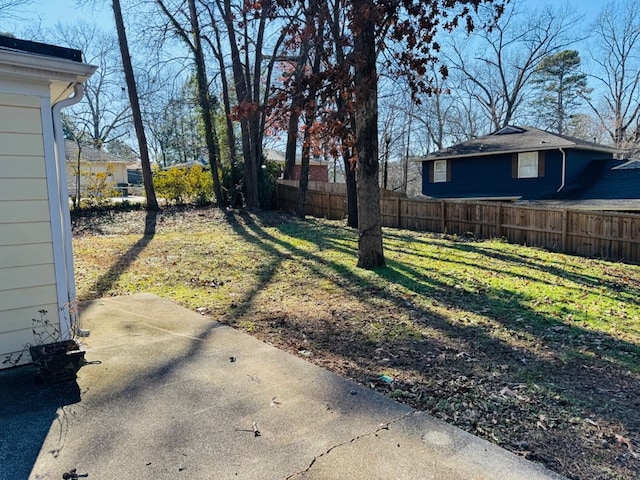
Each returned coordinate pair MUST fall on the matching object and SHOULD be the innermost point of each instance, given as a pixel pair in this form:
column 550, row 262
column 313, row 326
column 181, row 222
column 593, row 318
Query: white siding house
column 91, row 162
column 36, row 263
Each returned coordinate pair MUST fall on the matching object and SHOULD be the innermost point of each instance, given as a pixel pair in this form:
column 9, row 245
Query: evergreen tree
column 562, row 86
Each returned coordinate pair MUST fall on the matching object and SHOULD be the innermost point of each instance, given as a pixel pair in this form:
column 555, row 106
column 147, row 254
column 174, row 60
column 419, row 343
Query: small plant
column 43, row 330
column 47, row 340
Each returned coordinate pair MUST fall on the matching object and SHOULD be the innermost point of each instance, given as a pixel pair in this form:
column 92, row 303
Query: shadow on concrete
column 29, row 410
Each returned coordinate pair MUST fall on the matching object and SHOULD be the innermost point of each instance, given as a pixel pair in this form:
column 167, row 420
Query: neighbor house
column 510, row 164
column 90, row 161
column 318, row 168
column 36, row 262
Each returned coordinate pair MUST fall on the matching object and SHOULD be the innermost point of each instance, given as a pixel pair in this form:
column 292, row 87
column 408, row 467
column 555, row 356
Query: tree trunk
column 205, row 105
column 152, row 202
column 352, row 192
column 370, row 252
column 243, row 97
column 303, row 185
column 349, row 172
column 292, row 138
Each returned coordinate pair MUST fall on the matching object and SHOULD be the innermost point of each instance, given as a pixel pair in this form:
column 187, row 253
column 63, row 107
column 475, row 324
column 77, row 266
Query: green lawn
column 536, row 351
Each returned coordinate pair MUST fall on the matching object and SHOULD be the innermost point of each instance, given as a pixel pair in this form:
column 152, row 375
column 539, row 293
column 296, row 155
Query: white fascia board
column 28, row 65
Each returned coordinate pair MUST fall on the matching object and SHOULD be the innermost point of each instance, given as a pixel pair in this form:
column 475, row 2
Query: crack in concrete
column 383, row 426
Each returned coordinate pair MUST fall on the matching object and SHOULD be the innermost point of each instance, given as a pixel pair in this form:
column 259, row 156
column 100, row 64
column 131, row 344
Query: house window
column 527, row 164
column 439, row 171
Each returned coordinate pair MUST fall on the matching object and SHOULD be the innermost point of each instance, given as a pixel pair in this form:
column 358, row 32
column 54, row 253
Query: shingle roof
column 89, row 154
column 512, row 139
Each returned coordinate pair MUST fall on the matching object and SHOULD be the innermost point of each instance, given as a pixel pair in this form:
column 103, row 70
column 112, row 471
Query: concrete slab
column 179, row 395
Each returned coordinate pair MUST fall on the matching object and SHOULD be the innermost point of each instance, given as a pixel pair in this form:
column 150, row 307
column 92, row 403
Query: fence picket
column 609, row 235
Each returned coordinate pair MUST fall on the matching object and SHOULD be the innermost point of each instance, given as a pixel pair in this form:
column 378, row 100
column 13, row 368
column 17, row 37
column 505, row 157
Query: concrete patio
column 178, row 395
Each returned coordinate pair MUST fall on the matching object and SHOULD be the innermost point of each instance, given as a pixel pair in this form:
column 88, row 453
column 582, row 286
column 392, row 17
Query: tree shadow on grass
column 562, row 366
column 107, row 280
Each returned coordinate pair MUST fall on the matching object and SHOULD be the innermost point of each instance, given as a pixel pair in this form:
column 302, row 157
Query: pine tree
column 562, row 86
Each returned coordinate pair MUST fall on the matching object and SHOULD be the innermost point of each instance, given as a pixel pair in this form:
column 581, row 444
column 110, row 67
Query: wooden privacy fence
column 608, row 235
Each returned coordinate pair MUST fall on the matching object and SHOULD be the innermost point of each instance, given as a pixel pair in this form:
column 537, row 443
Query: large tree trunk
column 370, row 252
column 292, row 138
column 205, row 105
column 152, row 202
column 352, row 192
column 303, row 185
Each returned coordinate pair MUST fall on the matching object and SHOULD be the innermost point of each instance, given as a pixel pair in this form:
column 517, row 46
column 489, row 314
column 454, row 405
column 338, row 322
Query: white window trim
column 439, row 175
column 528, row 165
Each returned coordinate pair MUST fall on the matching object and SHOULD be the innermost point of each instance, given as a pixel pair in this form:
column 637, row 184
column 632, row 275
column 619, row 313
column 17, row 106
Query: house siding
column 27, row 272
column 492, row 176
column 89, row 170
column 579, row 160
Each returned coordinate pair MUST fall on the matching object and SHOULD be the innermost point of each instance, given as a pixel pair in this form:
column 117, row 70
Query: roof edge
column 41, row 48
column 603, row 149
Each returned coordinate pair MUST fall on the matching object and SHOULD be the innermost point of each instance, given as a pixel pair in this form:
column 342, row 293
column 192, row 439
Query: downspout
column 564, row 169
column 70, row 309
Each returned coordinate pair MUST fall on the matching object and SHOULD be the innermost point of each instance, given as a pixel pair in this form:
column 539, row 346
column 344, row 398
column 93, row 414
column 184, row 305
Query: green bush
column 184, row 185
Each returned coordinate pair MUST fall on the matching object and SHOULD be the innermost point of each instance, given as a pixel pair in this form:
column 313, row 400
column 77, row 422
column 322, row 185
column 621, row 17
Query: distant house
column 36, row 260
column 93, row 161
column 318, row 168
column 513, row 163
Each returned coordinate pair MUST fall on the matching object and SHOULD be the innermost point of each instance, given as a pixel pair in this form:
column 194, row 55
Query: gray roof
column 90, row 154
column 512, row 139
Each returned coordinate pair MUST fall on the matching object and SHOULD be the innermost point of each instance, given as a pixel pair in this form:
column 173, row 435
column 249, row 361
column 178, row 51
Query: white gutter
column 69, row 311
column 564, row 168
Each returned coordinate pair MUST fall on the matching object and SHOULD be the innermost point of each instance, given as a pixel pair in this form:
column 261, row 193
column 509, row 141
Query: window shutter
column 540, row 164
column 514, row 165
column 431, row 169
column 448, row 170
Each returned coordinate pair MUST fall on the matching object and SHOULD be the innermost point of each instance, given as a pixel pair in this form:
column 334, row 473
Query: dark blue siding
column 490, row 176
column 579, row 160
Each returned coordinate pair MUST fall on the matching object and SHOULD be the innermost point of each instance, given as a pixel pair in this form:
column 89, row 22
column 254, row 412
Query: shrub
column 184, row 184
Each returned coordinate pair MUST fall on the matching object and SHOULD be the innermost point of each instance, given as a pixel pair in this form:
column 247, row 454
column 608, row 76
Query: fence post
column 326, row 194
column 565, row 219
column 443, row 220
column 499, row 221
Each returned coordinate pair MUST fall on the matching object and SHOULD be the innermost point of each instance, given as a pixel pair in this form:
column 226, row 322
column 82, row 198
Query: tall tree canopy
column 496, row 65
column 562, row 86
column 616, row 37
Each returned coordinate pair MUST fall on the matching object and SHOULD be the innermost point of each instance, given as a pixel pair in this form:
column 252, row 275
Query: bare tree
column 497, row 64
column 152, row 202
column 191, row 36
column 250, row 47
column 616, row 37
column 12, row 10
column 104, row 112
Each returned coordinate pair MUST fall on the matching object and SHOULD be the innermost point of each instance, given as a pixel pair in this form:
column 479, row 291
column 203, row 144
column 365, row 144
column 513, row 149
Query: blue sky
column 68, row 11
